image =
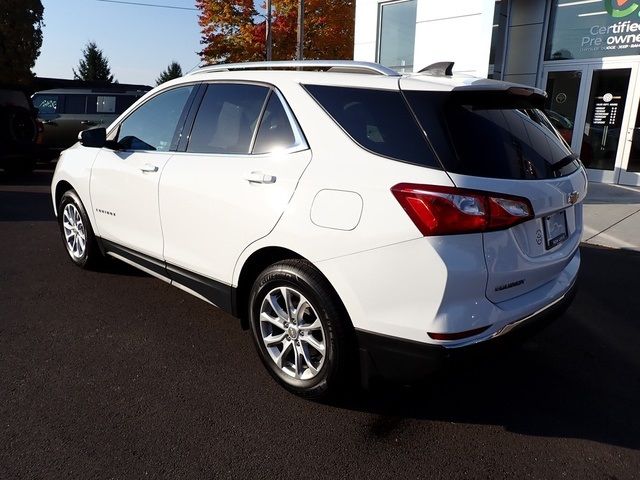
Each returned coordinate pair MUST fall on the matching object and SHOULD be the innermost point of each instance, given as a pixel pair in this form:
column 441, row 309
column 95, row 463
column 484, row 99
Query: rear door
column 499, row 141
column 231, row 184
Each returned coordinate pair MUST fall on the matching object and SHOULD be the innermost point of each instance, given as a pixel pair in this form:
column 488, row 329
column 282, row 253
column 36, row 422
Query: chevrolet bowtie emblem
column 573, row 198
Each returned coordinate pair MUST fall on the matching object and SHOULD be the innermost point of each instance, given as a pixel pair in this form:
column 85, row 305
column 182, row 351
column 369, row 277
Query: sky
column 139, row 42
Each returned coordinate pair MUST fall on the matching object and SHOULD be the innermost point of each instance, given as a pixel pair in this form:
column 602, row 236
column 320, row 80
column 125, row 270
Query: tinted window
column 153, row 124
column 75, row 103
column 492, row 135
column 378, row 120
column 124, row 101
column 227, row 118
column 46, row 103
column 275, row 131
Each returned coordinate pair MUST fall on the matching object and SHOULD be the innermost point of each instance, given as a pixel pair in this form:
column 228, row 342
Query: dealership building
column 585, row 54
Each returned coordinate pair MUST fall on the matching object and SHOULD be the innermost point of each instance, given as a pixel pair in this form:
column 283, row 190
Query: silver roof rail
column 344, row 66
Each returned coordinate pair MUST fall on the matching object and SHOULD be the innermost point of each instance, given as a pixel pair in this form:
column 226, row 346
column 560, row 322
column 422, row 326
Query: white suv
column 351, row 220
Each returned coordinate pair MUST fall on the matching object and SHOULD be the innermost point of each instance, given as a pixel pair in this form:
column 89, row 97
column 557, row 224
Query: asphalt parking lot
column 115, row 374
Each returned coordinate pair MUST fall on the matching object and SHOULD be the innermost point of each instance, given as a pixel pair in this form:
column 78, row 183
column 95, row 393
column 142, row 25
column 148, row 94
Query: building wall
column 525, row 41
column 445, row 31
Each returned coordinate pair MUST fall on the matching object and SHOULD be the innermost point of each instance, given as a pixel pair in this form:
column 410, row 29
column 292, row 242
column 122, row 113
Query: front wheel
column 300, row 330
column 76, row 231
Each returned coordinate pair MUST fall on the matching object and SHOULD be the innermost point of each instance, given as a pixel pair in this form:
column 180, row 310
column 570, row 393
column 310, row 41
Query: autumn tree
column 234, row 30
column 20, row 39
column 174, row 70
column 93, row 66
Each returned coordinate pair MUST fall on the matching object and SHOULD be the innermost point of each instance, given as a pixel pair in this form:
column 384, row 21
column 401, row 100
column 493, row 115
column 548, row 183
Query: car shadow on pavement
column 578, row 378
column 22, row 206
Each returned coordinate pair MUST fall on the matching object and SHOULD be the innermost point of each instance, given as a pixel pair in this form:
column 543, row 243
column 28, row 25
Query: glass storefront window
column 396, row 35
column 602, row 128
column 563, row 89
column 593, row 29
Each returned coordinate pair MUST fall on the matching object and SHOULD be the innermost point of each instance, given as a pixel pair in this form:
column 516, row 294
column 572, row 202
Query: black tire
column 91, row 257
column 339, row 365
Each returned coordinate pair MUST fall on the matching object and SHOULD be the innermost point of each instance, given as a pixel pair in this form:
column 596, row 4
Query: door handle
column 88, row 122
column 259, row 177
column 49, row 122
column 148, row 168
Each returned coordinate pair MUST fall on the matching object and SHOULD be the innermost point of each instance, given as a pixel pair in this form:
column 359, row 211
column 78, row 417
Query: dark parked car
column 65, row 112
column 18, row 131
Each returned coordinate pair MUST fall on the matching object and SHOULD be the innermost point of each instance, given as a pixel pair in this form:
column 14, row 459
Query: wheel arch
column 61, row 187
column 255, row 264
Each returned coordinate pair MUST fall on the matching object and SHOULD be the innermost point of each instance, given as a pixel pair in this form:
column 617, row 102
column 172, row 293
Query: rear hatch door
column 495, row 137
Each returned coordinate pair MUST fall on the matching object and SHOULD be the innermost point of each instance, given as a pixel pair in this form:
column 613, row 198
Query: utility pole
column 269, row 40
column 300, row 49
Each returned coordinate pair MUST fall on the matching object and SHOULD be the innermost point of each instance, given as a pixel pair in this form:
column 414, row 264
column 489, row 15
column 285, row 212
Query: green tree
column 20, row 39
column 174, row 70
column 94, row 66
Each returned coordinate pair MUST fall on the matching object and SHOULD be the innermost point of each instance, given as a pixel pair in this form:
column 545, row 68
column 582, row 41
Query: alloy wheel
column 75, row 233
column 292, row 333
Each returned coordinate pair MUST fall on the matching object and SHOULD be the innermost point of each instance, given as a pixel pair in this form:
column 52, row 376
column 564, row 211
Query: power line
column 155, row 5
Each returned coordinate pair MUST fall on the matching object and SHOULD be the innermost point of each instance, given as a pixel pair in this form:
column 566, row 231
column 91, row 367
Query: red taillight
column 438, row 210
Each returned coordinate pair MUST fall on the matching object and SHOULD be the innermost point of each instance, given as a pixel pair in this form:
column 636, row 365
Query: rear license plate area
column 555, row 229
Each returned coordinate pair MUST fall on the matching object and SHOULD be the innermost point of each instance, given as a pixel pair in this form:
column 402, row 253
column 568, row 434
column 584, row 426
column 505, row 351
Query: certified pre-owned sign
column 595, row 29
column 621, row 8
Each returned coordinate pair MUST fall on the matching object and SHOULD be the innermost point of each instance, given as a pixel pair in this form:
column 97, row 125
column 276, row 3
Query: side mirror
column 93, row 137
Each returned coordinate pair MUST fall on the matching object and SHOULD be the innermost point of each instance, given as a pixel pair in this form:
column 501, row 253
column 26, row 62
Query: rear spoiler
column 495, row 95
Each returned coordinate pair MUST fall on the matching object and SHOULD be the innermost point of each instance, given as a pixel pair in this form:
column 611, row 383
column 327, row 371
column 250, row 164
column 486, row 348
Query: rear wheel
column 77, row 234
column 300, row 330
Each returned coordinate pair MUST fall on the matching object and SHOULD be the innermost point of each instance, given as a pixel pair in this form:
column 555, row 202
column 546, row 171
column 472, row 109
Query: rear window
column 377, row 120
column 492, row 134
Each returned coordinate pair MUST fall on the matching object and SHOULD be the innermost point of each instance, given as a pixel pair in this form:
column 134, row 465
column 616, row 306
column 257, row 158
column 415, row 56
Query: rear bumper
column 405, row 360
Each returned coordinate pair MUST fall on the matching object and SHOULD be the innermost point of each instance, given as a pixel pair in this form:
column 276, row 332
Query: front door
column 124, row 181
column 593, row 106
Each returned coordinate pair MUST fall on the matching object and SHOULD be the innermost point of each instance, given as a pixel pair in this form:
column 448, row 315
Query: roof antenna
column 439, row 69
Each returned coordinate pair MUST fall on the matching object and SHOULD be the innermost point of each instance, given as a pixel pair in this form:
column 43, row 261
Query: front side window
column 153, row 125
column 396, row 34
column 227, row 119
column 46, row 103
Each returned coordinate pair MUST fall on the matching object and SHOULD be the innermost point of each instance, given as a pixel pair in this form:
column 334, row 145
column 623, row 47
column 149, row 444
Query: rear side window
column 227, row 118
column 492, row 134
column 104, row 104
column 378, row 120
column 123, row 102
column 275, row 132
